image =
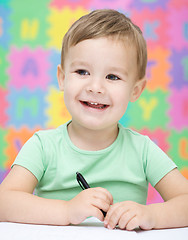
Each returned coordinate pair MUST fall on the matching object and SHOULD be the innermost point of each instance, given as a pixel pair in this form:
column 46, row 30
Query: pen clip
column 80, row 183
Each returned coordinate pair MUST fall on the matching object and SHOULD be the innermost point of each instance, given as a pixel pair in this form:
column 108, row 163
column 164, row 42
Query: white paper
column 91, row 229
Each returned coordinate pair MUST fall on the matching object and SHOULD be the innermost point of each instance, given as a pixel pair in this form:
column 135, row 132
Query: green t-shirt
column 124, row 168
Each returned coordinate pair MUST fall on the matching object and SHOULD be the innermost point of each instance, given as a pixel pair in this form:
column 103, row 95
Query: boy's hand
column 88, row 203
column 129, row 215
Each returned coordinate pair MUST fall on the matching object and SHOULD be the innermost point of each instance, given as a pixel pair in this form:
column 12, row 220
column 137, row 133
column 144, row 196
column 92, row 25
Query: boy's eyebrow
column 78, row 62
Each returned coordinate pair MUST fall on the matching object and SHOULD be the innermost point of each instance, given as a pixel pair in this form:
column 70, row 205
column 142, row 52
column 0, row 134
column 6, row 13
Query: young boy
column 102, row 68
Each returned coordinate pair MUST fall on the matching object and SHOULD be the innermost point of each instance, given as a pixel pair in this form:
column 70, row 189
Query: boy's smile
column 98, row 80
column 94, row 105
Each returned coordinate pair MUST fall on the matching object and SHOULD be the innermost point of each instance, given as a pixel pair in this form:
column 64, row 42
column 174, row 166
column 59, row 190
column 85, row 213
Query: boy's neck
column 92, row 140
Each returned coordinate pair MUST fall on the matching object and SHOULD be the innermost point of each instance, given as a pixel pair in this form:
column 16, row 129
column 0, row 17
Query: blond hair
column 105, row 23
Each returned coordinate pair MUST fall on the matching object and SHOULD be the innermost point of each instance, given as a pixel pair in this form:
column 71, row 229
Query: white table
column 88, row 230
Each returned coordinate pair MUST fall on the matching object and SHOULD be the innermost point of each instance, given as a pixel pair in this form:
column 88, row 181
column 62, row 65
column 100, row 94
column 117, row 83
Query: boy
column 102, row 68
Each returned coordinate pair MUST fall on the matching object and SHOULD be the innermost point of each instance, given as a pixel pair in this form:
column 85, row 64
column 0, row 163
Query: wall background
column 31, row 33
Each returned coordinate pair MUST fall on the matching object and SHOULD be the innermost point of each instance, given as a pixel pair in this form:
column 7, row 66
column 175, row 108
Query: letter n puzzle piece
column 28, row 23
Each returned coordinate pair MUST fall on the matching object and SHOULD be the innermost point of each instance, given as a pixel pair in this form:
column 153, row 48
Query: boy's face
column 98, row 80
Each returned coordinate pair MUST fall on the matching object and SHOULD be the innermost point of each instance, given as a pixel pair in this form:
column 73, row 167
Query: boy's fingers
column 132, row 224
column 101, row 204
column 125, row 219
column 105, row 194
column 110, row 212
column 97, row 213
column 101, row 197
column 113, row 217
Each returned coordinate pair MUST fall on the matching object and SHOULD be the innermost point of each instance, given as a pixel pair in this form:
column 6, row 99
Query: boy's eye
column 112, row 77
column 82, row 72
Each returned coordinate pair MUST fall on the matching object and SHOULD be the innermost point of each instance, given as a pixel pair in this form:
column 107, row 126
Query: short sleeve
column 31, row 157
column 158, row 164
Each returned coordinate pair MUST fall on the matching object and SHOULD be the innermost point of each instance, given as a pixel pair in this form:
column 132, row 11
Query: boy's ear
column 138, row 89
column 60, row 77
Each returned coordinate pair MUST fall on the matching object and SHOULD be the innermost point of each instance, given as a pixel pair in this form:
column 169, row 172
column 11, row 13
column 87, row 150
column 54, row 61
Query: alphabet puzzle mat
column 31, row 33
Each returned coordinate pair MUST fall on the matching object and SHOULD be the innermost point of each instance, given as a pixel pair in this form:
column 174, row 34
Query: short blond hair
column 105, row 23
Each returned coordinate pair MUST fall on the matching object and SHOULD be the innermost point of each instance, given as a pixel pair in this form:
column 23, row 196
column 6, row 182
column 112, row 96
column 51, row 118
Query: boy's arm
column 18, row 204
column 172, row 213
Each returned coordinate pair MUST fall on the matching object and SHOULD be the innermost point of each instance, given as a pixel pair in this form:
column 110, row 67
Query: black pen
column 84, row 185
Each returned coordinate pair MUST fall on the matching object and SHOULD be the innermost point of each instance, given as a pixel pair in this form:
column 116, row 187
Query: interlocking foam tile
column 113, row 4
column 30, row 68
column 178, row 32
column 26, row 108
column 3, row 144
column 29, row 25
column 179, row 148
column 57, row 30
column 178, row 4
column 184, row 172
column 55, row 59
column 3, row 107
column 16, row 139
column 57, row 111
column 5, row 3
column 159, row 136
column 152, row 4
column 4, row 26
column 3, row 174
column 158, row 69
column 149, row 110
column 165, row 26
column 178, row 112
column 59, row 4
column 153, row 196
column 179, row 70
column 3, row 67
column 153, row 25
column 125, row 120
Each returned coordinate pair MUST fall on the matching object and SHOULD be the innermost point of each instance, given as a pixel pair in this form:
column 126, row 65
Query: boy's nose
column 95, row 86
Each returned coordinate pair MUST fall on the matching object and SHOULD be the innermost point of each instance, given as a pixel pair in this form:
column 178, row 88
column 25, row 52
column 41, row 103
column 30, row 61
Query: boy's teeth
column 95, row 105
